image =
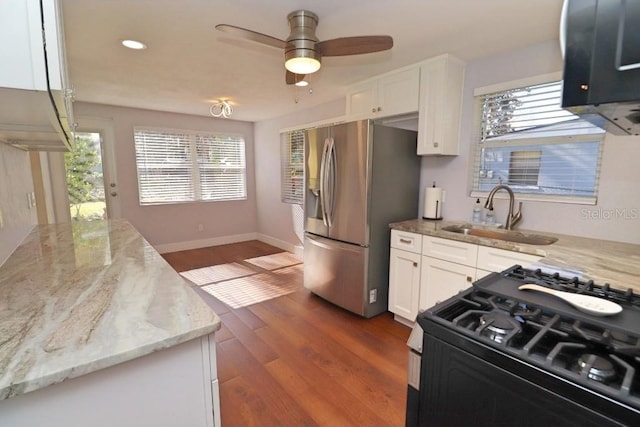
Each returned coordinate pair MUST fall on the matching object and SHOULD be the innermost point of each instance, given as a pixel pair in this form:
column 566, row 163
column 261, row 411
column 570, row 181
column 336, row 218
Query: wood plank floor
column 298, row 360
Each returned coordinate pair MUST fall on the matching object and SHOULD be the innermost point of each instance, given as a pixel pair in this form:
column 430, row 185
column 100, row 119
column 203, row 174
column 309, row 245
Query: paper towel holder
column 438, row 210
column 433, row 199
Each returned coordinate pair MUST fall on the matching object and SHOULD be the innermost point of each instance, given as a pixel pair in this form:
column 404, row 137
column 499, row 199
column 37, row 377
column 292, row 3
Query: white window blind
column 527, row 141
column 176, row 166
column 292, row 166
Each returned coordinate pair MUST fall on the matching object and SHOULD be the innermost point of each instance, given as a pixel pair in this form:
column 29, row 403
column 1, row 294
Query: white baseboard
column 204, row 243
column 296, row 249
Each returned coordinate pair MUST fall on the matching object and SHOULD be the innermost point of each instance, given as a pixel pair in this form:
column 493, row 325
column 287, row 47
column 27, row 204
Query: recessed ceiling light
column 134, row 44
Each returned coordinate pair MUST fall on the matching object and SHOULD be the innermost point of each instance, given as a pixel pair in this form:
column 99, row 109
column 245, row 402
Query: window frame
column 194, row 166
column 476, row 146
column 292, row 145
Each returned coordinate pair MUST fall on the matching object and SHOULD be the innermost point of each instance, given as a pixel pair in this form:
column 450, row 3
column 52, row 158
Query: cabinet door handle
column 407, row 241
column 415, row 264
column 436, row 144
column 469, row 279
column 373, row 110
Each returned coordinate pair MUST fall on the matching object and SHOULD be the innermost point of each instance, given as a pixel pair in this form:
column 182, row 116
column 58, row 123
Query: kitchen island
column 602, row 261
column 97, row 329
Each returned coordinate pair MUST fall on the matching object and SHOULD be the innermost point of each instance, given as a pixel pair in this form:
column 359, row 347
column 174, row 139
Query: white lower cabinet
column 404, row 274
column 441, row 279
column 424, row 270
column 404, row 283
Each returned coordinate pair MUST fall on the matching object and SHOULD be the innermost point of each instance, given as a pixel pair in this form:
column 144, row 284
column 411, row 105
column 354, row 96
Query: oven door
column 460, row 389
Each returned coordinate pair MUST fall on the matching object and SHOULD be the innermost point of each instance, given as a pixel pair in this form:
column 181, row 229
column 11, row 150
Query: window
column 527, row 141
column 176, row 166
column 292, row 166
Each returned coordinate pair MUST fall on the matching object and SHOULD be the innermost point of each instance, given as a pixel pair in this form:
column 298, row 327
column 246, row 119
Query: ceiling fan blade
column 354, row 45
column 252, row 35
column 293, row 78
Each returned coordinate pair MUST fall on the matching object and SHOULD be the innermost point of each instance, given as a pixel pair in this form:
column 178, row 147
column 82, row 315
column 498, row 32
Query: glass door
column 85, row 183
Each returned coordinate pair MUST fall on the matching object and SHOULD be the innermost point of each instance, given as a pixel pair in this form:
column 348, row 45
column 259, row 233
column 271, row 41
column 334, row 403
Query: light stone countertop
column 82, row 297
column 602, row 261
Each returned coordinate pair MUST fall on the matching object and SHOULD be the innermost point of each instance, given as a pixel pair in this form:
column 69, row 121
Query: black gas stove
column 503, row 356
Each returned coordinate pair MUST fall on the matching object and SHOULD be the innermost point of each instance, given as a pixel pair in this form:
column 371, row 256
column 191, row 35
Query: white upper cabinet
column 441, row 84
column 26, row 68
column 432, row 88
column 36, row 108
column 388, row 95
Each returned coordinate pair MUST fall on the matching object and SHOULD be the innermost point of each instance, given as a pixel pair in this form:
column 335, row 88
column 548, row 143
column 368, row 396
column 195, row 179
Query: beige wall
column 15, row 184
column 173, row 227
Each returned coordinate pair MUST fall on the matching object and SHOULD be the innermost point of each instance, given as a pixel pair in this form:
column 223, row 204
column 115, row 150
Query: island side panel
column 167, row 388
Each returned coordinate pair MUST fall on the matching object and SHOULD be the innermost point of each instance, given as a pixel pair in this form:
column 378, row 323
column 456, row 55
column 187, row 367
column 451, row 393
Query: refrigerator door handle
column 323, row 182
column 331, row 180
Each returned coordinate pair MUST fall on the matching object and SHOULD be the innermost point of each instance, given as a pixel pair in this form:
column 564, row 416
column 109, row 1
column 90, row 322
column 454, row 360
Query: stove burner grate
column 600, row 354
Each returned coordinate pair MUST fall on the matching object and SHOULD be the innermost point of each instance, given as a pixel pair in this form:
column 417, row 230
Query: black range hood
column 601, row 43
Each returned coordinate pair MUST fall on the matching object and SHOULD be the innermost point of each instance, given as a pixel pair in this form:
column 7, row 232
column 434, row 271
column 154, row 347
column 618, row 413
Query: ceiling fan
column 302, row 49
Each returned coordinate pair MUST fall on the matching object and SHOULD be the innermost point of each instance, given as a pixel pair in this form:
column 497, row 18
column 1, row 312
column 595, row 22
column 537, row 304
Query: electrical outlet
column 373, row 296
column 200, row 227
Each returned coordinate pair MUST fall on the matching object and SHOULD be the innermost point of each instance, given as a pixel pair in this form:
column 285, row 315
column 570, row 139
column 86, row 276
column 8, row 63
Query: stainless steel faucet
column 512, row 219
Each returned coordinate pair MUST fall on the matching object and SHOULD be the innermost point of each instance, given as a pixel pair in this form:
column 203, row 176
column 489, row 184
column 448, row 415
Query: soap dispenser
column 490, row 218
column 477, row 212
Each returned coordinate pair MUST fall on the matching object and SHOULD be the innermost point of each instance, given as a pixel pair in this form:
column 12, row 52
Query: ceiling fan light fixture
column 302, row 83
column 302, row 65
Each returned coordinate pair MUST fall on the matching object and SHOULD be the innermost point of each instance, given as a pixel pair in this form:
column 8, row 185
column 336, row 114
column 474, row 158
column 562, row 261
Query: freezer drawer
column 336, row 271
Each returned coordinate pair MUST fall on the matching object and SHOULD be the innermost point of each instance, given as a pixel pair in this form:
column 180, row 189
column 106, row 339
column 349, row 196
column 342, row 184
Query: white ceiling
column 188, row 64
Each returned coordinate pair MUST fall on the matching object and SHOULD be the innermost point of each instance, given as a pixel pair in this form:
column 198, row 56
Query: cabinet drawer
column 406, row 241
column 494, row 259
column 450, row 250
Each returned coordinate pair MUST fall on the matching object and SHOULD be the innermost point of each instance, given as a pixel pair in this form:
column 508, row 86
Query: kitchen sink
column 506, row 235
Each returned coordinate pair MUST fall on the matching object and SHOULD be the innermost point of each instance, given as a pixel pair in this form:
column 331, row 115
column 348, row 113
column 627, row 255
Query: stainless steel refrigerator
column 359, row 177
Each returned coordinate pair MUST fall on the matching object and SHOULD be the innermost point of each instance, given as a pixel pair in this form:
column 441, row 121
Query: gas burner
column 596, row 368
column 499, row 326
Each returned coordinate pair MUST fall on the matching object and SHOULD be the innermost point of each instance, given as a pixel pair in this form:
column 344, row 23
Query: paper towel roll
column 433, row 199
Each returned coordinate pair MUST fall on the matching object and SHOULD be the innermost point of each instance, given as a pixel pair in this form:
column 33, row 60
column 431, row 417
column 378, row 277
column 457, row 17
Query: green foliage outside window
column 82, row 176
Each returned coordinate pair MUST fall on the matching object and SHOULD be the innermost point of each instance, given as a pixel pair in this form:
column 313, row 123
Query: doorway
column 98, row 135
column 52, row 191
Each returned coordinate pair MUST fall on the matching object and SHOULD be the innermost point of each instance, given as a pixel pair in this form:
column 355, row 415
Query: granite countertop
column 602, row 261
column 75, row 298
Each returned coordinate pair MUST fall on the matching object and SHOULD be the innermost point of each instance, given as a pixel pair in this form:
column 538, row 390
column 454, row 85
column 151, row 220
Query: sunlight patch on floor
column 275, row 261
column 239, row 285
column 237, row 293
column 217, row 273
